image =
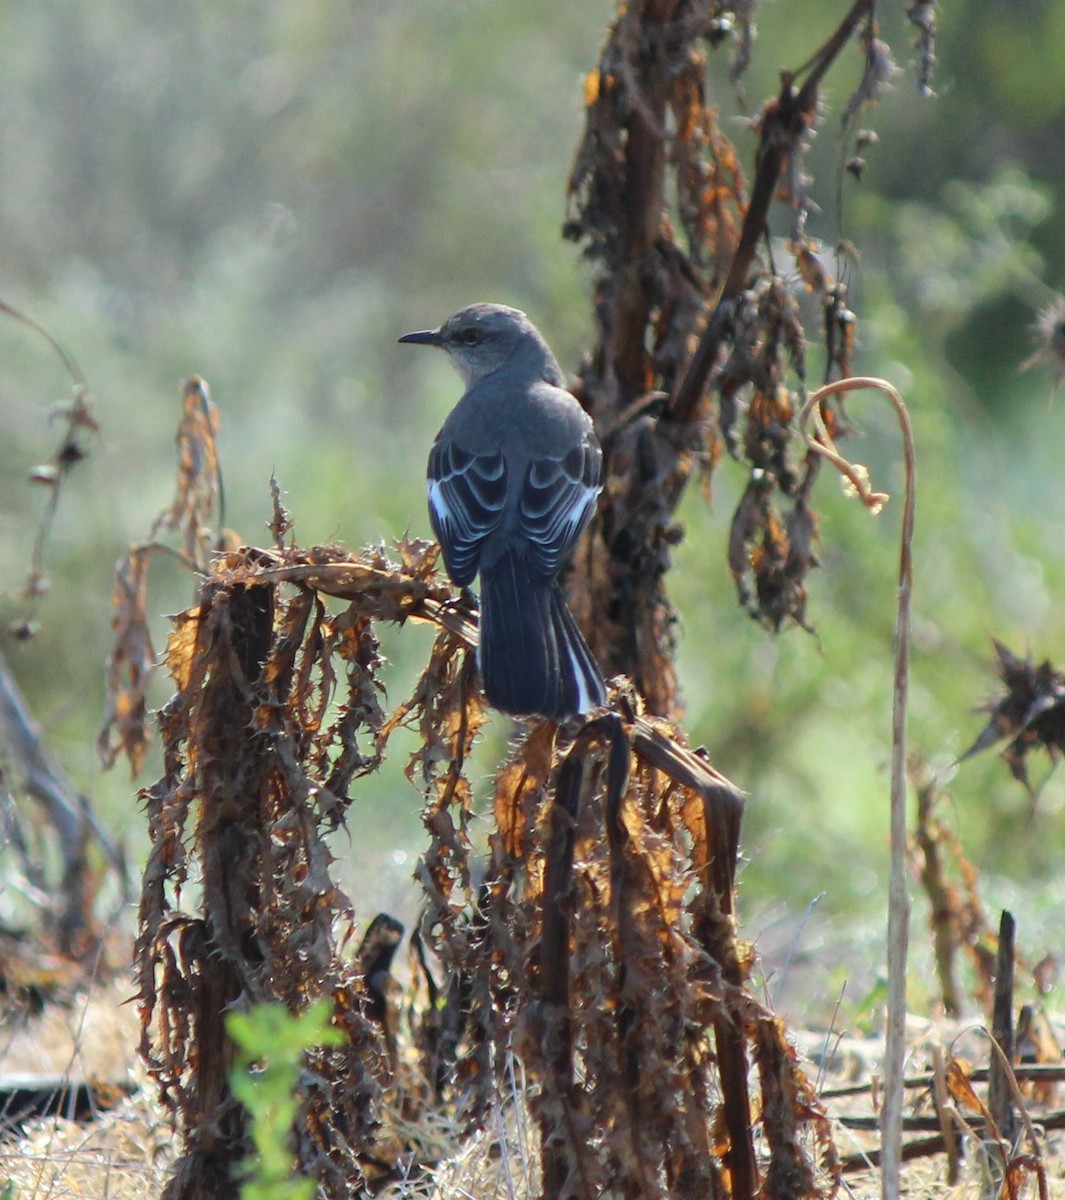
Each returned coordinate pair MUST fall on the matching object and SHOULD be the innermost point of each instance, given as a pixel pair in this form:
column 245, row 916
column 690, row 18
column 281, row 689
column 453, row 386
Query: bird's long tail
column 533, row 658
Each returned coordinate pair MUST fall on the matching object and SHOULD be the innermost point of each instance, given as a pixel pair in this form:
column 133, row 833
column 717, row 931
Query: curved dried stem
column 898, row 895
column 1036, row 1162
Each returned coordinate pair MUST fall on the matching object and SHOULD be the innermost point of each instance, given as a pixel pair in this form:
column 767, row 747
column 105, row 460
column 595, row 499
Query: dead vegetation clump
column 597, row 942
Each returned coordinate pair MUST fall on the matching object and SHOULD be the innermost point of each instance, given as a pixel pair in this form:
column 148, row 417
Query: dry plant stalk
column 66, row 903
column 77, row 424
column 898, row 930
column 956, row 913
column 699, row 345
column 276, row 710
column 197, row 504
column 258, row 760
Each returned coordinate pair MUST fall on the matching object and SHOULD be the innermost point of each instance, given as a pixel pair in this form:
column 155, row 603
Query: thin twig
column 53, row 473
column 783, row 126
column 1028, row 1072
column 172, row 551
column 67, row 359
column 945, row 1115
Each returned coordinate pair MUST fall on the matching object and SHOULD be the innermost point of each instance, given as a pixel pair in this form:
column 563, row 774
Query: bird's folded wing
column 467, row 493
column 558, row 497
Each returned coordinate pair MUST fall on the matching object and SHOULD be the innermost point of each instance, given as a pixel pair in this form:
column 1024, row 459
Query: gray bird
column 514, row 477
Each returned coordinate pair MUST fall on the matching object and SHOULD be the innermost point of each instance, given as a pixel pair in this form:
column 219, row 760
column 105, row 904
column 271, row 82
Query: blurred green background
column 269, row 194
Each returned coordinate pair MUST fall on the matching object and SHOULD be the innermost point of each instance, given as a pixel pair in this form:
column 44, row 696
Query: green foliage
column 271, row 1044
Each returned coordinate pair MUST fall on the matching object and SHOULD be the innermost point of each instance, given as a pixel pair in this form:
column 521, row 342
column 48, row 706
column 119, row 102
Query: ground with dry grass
column 88, row 1030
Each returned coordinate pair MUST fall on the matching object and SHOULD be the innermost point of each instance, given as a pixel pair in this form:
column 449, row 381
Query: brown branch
column 784, row 123
column 999, row 1096
column 863, row 1160
column 67, row 812
column 1025, row 1072
column 943, row 901
column 946, row 1116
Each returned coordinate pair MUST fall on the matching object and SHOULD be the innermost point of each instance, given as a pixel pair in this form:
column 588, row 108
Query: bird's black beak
column 424, row 337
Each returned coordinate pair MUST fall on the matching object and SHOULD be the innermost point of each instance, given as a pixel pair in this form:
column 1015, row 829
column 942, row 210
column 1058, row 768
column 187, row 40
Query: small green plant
column 271, row 1043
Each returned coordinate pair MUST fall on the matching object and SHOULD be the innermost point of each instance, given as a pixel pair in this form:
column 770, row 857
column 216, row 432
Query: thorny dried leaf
column 521, row 791
column 198, row 494
column 956, row 913
column 775, row 556
column 811, row 268
column 1031, row 713
column 879, row 70
column 794, row 1119
column 131, row 665
column 281, row 522
column 130, row 668
column 278, row 708
column 959, row 1084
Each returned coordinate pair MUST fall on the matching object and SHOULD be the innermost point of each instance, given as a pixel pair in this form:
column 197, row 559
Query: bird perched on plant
column 514, row 477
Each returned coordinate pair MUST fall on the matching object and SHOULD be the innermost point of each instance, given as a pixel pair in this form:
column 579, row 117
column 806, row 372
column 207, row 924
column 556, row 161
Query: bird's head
column 484, row 337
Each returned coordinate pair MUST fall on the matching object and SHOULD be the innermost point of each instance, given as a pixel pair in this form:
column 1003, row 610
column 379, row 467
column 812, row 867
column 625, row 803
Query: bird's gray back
column 545, row 418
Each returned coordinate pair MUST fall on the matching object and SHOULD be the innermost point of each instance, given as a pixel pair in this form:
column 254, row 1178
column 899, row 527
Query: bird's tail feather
column 533, row 658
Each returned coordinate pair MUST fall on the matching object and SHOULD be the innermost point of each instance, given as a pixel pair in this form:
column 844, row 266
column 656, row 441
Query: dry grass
column 89, row 1035
column 125, row 1153
column 122, row 1156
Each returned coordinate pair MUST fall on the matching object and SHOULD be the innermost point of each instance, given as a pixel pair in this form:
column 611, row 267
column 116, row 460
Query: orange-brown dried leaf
column 519, row 788
column 1018, row 1171
column 790, row 1108
column 183, row 656
column 959, row 1084
column 1037, row 1042
column 130, row 668
column 693, row 816
column 812, row 270
column 199, row 477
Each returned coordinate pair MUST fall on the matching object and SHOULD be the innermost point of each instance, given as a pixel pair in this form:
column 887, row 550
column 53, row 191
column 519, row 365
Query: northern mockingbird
column 514, row 476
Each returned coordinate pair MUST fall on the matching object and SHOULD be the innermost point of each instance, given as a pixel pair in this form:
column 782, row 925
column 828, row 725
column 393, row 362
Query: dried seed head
column 1049, row 331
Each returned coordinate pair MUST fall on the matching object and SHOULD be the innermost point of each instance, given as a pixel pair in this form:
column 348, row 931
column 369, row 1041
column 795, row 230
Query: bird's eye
column 470, row 336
